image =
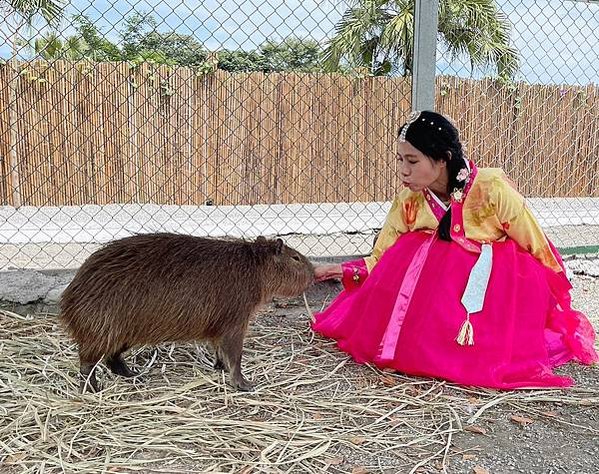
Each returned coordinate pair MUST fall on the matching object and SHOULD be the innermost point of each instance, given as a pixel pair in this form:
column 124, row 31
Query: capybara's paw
column 89, row 386
column 243, row 385
column 219, row 365
column 118, row 366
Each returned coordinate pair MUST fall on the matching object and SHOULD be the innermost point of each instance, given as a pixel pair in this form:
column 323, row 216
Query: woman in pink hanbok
column 462, row 283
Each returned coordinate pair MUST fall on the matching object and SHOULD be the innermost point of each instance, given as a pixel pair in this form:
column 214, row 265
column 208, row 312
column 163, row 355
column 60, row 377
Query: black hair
column 436, row 137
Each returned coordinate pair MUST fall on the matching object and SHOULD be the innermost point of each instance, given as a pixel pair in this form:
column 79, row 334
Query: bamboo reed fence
column 79, row 133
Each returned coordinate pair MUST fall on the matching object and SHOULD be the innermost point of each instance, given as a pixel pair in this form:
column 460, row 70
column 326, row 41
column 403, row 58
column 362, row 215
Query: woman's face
column 418, row 171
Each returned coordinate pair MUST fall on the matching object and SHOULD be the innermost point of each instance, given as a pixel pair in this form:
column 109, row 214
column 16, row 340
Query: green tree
column 379, row 35
column 87, row 43
column 140, row 40
column 241, row 61
column 291, row 54
column 93, row 45
column 136, row 28
column 175, row 48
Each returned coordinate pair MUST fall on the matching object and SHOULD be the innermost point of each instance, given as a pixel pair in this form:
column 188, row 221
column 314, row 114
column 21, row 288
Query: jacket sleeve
column 520, row 224
column 355, row 272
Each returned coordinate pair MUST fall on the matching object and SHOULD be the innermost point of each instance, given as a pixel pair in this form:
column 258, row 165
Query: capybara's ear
column 279, row 246
column 261, row 239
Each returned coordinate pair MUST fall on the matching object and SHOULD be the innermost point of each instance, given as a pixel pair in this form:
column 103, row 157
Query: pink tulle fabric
column 526, row 328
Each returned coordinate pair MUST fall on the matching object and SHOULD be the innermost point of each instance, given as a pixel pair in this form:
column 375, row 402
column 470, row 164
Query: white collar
column 437, row 199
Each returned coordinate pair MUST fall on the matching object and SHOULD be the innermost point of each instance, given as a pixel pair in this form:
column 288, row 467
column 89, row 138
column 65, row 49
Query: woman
column 462, row 283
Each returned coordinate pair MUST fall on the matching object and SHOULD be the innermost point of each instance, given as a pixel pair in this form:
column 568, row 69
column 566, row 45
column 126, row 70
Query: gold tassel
column 466, row 335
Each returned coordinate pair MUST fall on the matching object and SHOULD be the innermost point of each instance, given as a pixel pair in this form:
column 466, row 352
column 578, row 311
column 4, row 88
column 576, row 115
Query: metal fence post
column 425, row 53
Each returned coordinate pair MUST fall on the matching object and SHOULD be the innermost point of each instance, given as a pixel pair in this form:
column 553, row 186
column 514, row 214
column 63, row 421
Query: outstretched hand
column 328, row 271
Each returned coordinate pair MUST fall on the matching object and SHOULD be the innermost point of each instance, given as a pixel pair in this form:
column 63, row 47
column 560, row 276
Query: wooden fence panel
column 111, row 133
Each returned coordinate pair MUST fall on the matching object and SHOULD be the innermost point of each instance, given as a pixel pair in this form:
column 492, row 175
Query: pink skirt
column 525, row 329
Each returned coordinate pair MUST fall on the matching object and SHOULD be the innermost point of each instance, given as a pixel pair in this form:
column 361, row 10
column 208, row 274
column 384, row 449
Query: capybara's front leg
column 88, row 358
column 219, row 360
column 232, row 346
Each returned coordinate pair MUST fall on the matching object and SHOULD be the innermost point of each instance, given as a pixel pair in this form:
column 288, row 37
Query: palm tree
column 50, row 46
column 379, row 35
column 18, row 13
column 50, row 10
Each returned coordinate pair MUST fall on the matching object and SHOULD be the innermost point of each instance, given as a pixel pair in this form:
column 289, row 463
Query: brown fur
column 156, row 288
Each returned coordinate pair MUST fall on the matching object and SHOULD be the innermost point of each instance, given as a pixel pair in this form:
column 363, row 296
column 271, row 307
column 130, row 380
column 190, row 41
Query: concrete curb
column 26, row 286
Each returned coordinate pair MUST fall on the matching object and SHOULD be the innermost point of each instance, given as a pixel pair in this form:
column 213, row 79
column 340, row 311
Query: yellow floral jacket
column 492, row 211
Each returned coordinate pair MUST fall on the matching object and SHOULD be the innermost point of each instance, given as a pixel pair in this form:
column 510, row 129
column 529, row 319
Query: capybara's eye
column 296, row 258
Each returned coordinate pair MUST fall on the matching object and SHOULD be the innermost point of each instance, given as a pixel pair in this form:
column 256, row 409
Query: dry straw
column 314, row 410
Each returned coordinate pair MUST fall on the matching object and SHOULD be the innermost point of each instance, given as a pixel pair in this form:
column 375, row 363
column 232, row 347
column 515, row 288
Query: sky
column 558, row 40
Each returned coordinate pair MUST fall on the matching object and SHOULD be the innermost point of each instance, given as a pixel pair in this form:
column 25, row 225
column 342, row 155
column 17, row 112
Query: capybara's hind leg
column 88, row 376
column 232, row 347
column 118, row 366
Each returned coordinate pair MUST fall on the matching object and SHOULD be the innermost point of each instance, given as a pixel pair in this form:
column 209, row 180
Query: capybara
column 154, row 288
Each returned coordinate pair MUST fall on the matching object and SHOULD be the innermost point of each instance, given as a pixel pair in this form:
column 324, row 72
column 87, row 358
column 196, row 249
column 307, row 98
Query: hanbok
column 491, row 308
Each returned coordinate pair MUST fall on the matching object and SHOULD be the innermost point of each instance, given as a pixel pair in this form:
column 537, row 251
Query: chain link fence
column 277, row 118
column 540, row 120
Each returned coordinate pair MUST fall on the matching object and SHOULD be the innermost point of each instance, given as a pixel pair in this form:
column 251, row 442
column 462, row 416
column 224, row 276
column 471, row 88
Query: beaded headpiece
column 411, row 119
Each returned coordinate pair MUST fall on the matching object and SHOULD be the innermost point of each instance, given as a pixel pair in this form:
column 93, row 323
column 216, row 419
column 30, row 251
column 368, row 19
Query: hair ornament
column 411, row 119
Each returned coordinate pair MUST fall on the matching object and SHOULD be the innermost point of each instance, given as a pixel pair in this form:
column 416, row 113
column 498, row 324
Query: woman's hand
column 328, row 271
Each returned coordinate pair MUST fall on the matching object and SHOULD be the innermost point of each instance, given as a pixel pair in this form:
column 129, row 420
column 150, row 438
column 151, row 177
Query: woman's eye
column 412, row 162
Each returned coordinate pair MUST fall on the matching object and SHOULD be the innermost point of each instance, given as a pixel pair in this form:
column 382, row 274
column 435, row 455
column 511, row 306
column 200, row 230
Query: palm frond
column 357, row 26
column 50, row 10
column 397, row 38
column 477, row 29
